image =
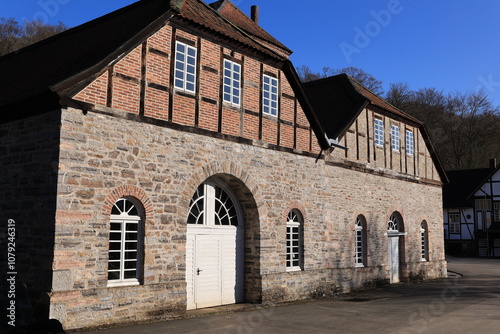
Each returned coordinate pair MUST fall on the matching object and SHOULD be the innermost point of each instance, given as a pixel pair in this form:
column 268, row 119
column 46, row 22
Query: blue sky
column 449, row 45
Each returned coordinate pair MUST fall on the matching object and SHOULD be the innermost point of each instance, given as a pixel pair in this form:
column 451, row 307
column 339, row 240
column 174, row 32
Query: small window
column 395, row 138
column 454, row 222
column 424, row 242
column 360, row 242
column 125, row 244
column 270, row 96
column 185, row 67
column 294, row 260
column 232, row 82
column 409, row 143
column 379, row 132
column 483, row 204
column 496, row 211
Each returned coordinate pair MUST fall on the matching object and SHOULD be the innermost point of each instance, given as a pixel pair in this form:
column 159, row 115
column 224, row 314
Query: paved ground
column 468, row 304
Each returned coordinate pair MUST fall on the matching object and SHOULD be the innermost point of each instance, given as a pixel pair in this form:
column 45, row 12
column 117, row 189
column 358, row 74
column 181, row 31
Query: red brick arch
column 295, row 205
column 132, row 191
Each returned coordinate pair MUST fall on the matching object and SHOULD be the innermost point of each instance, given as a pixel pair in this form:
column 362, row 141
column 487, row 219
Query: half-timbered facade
column 471, row 203
column 165, row 157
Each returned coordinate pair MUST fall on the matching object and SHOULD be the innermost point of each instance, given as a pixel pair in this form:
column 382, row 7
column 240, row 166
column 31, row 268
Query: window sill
column 185, row 93
column 293, row 269
column 112, row 284
column 357, row 265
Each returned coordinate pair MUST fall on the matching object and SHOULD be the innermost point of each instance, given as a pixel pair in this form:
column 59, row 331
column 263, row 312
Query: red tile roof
column 234, row 15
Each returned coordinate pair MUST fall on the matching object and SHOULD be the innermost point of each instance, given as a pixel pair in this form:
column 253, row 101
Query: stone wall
column 107, row 155
column 29, row 151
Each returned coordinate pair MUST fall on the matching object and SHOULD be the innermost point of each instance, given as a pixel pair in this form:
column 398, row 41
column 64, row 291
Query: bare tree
column 366, row 79
column 14, row 36
column 464, row 127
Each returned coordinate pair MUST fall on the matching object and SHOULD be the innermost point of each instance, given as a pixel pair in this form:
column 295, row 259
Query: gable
column 490, row 187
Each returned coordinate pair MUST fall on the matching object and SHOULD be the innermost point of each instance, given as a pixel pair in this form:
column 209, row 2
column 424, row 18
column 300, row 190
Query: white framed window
column 213, row 206
column 395, row 137
column 232, row 82
column 409, row 143
column 185, row 67
column 424, row 242
column 454, row 222
column 270, row 96
column 360, row 242
column 125, row 244
column 379, row 132
column 294, row 260
column 496, row 211
column 395, row 223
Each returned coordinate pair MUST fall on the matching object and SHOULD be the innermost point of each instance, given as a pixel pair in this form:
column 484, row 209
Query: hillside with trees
column 15, row 35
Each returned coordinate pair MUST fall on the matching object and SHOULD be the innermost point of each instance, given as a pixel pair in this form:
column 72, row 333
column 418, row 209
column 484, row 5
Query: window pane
column 130, row 274
column 114, row 265
column 115, row 236
column 113, row 275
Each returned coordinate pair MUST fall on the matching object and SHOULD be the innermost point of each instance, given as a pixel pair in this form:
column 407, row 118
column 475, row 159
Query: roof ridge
column 241, row 31
column 226, row 2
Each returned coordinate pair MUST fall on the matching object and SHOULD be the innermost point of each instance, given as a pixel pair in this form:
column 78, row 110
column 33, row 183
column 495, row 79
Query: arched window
column 395, row 223
column 424, row 242
column 294, row 241
column 360, row 242
column 211, row 205
column 125, row 244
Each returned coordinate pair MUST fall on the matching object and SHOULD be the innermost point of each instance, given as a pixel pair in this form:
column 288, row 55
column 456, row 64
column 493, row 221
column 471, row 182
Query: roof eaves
column 433, row 153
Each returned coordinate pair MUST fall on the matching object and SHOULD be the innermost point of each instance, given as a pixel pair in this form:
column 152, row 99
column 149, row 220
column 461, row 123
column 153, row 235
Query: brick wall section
column 165, row 167
column 203, row 108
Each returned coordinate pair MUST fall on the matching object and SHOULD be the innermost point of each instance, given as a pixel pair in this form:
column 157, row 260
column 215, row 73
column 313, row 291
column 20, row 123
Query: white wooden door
column 214, row 250
column 393, row 242
column 208, row 270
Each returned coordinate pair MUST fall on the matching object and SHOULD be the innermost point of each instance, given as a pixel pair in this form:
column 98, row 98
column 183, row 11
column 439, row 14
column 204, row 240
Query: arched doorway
column 215, row 247
column 395, row 233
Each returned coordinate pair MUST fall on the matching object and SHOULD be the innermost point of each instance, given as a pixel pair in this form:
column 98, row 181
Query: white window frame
column 424, row 242
column 395, row 134
column 124, row 219
column 454, row 224
column 185, row 67
column 378, row 124
column 359, row 243
column 270, row 93
column 294, row 233
column 232, row 83
column 410, row 143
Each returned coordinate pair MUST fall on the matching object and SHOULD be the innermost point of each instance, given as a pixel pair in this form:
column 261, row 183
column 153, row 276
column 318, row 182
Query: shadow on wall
column 28, row 198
